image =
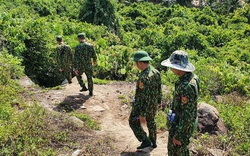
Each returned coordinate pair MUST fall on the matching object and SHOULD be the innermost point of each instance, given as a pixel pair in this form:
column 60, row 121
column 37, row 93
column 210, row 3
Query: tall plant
column 99, row 12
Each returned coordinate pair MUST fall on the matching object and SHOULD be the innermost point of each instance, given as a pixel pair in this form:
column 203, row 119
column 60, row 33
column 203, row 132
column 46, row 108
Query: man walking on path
column 84, row 55
column 182, row 115
column 147, row 100
column 64, row 59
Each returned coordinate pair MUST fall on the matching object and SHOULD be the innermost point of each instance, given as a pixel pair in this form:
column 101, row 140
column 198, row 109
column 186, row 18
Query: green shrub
column 25, row 133
column 236, row 117
column 10, row 69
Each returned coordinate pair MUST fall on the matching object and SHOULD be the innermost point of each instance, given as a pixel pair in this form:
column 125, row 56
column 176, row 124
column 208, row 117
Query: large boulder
column 209, row 120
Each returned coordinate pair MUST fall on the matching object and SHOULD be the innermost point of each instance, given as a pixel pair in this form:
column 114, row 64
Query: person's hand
column 60, row 70
column 76, row 72
column 142, row 120
column 176, row 142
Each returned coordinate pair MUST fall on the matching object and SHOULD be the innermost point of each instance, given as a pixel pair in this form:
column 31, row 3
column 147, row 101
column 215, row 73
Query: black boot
column 145, row 143
column 83, row 89
column 154, row 144
column 90, row 93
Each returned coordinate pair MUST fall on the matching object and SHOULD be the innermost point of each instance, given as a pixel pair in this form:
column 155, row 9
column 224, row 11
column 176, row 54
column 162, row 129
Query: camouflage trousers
column 67, row 74
column 89, row 75
column 135, row 125
column 173, row 150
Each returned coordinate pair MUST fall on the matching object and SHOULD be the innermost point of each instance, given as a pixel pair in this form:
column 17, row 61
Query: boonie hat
column 81, row 35
column 179, row 60
column 141, row 56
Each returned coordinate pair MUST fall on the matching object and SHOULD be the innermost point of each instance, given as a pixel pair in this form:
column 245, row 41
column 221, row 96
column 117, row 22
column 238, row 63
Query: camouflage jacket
column 84, row 52
column 64, row 56
column 184, row 105
column 148, row 91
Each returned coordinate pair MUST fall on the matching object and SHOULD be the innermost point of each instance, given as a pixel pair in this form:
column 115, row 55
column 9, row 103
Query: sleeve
column 58, row 59
column 93, row 53
column 159, row 90
column 145, row 96
column 185, row 117
column 76, row 57
column 70, row 55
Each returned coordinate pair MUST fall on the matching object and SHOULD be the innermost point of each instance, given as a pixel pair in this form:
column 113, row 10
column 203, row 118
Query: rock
column 83, row 107
column 77, row 152
column 209, row 120
column 218, row 99
column 78, row 122
column 98, row 108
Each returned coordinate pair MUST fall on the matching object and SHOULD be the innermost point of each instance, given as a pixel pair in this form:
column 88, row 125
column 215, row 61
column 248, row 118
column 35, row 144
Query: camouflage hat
column 141, row 56
column 59, row 38
column 179, row 60
column 81, row 35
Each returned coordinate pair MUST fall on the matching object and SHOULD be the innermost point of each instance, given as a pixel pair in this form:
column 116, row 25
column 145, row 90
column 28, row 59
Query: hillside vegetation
column 215, row 35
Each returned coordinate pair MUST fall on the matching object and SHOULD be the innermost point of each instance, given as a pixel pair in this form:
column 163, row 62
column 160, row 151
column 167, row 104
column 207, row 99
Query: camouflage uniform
column 84, row 52
column 185, row 107
column 64, row 60
column 147, row 98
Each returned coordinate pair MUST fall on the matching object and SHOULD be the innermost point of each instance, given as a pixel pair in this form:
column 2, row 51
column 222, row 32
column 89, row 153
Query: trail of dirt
column 104, row 106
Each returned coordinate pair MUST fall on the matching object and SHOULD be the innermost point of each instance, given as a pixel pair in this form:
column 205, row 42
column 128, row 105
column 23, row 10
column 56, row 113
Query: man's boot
column 84, row 88
column 145, row 143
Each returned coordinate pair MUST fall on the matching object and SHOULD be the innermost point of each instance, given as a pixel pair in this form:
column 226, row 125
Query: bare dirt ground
column 106, row 107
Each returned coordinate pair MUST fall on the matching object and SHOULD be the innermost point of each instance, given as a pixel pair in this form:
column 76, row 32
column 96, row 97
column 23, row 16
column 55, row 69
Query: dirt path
column 104, row 106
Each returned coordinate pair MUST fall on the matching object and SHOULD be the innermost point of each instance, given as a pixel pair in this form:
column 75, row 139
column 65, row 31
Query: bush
column 10, row 69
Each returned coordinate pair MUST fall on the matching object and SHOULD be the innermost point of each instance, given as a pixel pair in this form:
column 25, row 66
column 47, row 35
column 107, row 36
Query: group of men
column 182, row 116
column 80, row 63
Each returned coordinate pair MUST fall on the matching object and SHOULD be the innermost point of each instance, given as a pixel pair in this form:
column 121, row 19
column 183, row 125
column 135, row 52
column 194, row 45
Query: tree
column 187, row 3
column 99, row 12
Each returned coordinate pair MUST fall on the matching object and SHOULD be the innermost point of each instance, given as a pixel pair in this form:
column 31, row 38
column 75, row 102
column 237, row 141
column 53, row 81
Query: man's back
column 84, row 52
column 64, row 55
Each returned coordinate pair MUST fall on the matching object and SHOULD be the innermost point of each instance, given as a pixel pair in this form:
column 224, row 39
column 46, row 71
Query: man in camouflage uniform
column 183, row 112
column 147, row 101
column 84, row 54
column 64, row 59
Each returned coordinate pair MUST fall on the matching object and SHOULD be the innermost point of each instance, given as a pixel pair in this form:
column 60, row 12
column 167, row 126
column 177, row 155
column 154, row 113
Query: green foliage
column 100, row 81
column 37, row 58
column 187, row 3
column 217, row 43
column 10, row 69
column 26, row 135
column 99, row 12
column 115, row 63
column 160, row 119
column 236, row 117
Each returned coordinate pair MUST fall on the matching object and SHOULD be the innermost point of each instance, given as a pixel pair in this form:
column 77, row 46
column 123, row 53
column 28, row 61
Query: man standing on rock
column 64, row 59
column 182, row 116
column 84, row 54
column 147, row 100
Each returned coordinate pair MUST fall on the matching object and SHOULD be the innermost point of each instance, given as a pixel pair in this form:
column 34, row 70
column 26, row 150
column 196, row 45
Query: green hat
column 59, row 38
column 81, row 35
column 141, row 56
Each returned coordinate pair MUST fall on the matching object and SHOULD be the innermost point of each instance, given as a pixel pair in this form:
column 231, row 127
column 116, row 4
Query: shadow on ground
column 72, row 103
column 143, row 152
column 134, row 154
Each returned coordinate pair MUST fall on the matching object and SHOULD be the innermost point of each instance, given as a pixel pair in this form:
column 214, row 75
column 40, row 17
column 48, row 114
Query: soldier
column 147, row 100
column 182, row 115
column 64, row 59
column 84, row 54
